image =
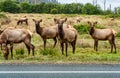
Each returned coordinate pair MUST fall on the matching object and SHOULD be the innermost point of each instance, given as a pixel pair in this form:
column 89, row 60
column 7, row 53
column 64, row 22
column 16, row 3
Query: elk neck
column 61, row 32
column 92, row 30
column 38, row 29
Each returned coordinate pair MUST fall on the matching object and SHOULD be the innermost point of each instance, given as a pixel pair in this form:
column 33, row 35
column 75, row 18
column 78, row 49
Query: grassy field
column 84, row 48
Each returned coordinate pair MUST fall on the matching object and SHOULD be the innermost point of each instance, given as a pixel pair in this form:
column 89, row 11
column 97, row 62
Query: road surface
column 59, row 71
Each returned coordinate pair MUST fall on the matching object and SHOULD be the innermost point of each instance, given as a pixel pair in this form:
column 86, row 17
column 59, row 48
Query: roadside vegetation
column 14, row 6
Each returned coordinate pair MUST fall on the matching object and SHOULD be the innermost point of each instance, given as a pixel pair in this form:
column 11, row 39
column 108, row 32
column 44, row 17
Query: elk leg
column 6, row 52
column 111, row 45
column 44, row 43
column 113, row 41
column 55, row 41
column 62, row 46
column 73, row 46
column 11, row 50
column 66, row 48
column 27, row 46
column 114, row 46
column 97, row 45
column 18, row 22
column 32, row 47
column 94, row 45
column 26, row 22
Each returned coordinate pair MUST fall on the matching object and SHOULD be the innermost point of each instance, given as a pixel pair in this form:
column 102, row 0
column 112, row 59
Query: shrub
column 54, row 11
column 2, row 15
column 100, row 27
column 82, row 28
column 113, row 16
column 10, row 6
column 4, row 19
column 118, row 34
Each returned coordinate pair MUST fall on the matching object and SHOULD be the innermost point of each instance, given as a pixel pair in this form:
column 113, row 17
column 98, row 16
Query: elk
column 21, row 20
column 102, row 34
column 78, row 20
column 14, row 35
column 46, row 32
column 66, row 35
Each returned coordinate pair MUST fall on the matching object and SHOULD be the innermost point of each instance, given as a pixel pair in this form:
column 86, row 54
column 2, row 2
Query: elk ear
column 34, row 20
column 40, row 20
column 1, row 31
column 56, row 20
column 65, row 20
column 89, row 22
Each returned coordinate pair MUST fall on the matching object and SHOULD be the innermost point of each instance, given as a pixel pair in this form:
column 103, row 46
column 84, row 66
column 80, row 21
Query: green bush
column 99, row 27
column 118, row 34
column 54, row 11
column 4, row 19
column 82, row 28
column 2, row 15
column 113, row 16
column 10, row 6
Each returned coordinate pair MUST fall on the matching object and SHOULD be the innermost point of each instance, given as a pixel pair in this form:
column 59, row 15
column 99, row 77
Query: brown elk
column 14, row 35
column 66, row 35
column 21, row 20
column 102, row 34
column 46, row 32
column 78, row 20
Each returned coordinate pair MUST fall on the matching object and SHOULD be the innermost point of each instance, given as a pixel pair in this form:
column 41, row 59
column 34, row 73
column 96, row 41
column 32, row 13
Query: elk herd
column 65, row 33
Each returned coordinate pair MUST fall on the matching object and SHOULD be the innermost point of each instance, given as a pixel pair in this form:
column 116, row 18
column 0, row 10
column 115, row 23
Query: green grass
column 84, row 52
column 82, row 55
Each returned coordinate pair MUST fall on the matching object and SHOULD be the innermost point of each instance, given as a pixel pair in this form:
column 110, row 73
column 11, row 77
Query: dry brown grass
column 48, row 21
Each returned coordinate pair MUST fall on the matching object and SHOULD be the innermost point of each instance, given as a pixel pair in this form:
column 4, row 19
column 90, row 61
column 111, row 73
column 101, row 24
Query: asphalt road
column 59, row 71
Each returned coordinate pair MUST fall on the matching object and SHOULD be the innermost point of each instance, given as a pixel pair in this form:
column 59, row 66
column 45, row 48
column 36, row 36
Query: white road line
column 56, row 72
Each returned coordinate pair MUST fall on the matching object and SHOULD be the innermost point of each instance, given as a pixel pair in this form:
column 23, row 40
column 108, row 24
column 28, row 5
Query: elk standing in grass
column 66, row 35
column 46, row 32
column 21, row 20
column 78, row 20
column 102, row 34
column 12, row 35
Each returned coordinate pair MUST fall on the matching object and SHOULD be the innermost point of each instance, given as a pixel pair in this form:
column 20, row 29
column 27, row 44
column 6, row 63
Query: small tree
column 10, row 6
column 26, row 7
column 54, row 11
column 118, row 10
